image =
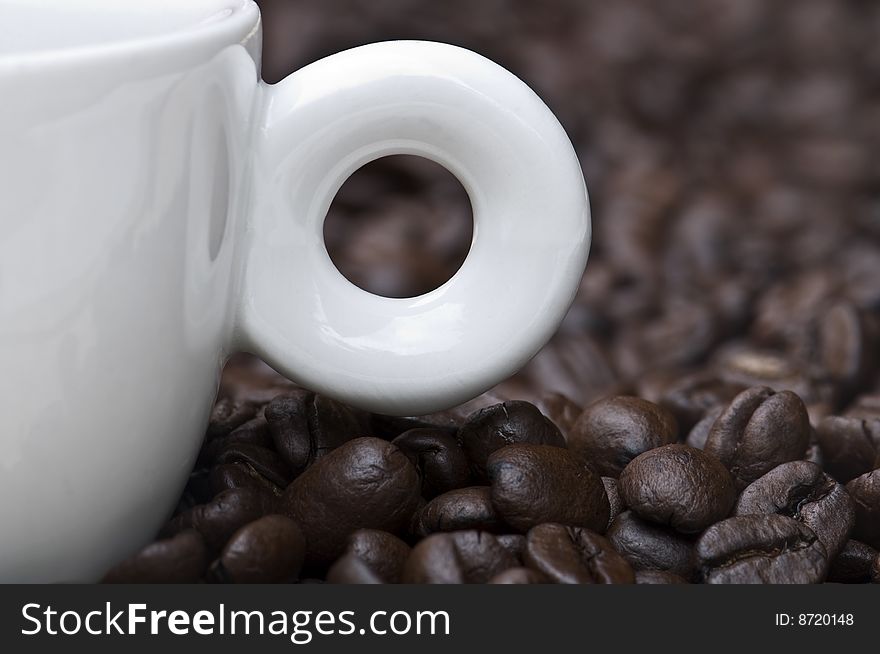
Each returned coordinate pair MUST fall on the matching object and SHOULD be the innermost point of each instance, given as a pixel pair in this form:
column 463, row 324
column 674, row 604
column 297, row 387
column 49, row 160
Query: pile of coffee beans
column 709, row 410
column 302, row 488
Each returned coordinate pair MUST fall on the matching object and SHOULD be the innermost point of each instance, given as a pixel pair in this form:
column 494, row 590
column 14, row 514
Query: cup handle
column 531, row 227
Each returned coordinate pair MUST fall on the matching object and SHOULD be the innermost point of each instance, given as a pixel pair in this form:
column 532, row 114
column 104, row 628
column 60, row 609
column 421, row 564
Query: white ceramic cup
column 161, row 208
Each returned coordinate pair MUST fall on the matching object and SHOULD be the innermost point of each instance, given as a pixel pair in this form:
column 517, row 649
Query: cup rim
column 232, row 21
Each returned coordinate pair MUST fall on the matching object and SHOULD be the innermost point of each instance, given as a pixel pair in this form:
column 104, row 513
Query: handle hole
column 399, row 227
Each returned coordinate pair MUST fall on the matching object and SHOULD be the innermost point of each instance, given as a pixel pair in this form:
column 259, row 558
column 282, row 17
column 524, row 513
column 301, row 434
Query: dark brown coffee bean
column 752, row 367
column 437, row 456
column 503, row 424
column 519, row 576
column 849, row 445
column 382, row 552
column 573, row 555
column 349, row 569
column 679, row 486
column 658, row 577
column 648, row 546
column 766, row 549
column 253, row 432
column 460, row 557
column 180, row 559
column 680, row 335
column 800, row 490
column 612, row 432
column 690, row 397
column 853, row 564
column 865, row 492
column 845, row 347
column 463, row 508
column 532, row 484
column 306, row 426
column 561, row 410
column 784, row 309
column 757, row 431
column 218, row 519
column 240, row 475
column 229, row 413
column 268, row 550
column 700, row 433
column 615, row 504
column 262, row 460
column 365, row 483
column 513, row 543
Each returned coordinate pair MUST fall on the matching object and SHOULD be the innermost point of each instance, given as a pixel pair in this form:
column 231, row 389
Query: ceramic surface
column 161, row 208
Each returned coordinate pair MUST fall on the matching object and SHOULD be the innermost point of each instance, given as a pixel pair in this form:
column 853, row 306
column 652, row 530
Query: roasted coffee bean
column 229, row 413
column 658, row 577
column 700, row 433
column 532, row 484
column 648, row 546
column 784, row 310
column 513, row 543
column 679, row 486
column 765, row 549
column 463, row 508
column 875, row 570
column 849, row 445
column 690, row 397
column 503, row 424
column 615, row 504
column 612, row 432
column 460, row 557
column 800, row 490
column 239, row 475
column 262, row 460
column 753, row 367
column 561, row 410
column 382, row 552
column 218, row 519
column 364, row 483
column 846, row 350
column 180, row 559
column 853, row 564
column 306, row 426
column 349, row 569
column 268, row 550
column 253, row 432
column 574, row 555
column 519, row 576
column 865, row 492
column 757, row 431
column 681, row 334
column 437, row 456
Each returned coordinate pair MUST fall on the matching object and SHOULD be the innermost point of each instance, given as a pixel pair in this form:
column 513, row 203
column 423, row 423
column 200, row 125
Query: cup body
column 122, row 165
